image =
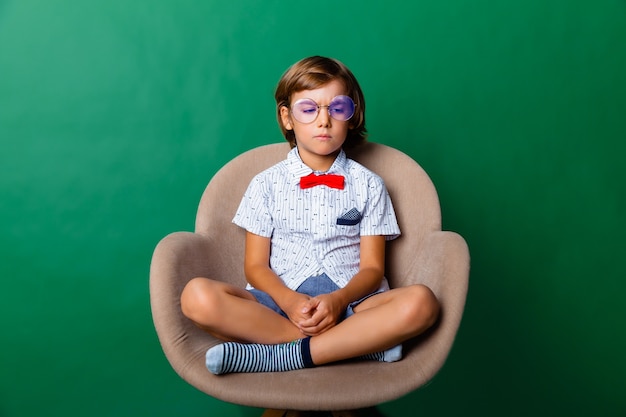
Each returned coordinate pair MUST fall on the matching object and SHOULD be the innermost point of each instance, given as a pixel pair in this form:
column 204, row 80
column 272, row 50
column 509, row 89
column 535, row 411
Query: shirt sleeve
column 379, row 217
column 253, row 213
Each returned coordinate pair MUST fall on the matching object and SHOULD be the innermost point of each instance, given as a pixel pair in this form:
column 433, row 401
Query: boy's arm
column 326, row 309
column 371, row 270
column 260, row 276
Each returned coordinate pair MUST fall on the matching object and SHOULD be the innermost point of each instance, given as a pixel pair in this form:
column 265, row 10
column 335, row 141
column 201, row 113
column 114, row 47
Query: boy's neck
column 321, row 163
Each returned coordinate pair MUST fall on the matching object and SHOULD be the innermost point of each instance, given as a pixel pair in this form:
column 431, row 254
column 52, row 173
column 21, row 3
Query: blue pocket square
column 350, row 218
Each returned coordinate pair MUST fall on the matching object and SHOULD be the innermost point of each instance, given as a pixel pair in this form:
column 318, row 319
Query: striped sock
column 254, row 357
column 390, row 355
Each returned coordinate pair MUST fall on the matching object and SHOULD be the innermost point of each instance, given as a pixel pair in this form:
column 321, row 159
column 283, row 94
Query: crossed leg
column 233, row 314
column 380, row 322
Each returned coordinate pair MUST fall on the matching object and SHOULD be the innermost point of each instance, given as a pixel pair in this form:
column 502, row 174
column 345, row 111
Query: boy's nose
column 323, row 118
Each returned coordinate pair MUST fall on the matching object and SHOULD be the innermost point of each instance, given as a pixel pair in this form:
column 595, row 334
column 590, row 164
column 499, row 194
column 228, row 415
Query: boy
column 316, row 225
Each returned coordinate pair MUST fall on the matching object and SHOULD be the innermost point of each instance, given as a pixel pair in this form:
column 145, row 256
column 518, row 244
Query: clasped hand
column 315, row 315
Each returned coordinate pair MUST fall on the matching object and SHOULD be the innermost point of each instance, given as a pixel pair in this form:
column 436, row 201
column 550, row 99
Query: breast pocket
column 350, row 218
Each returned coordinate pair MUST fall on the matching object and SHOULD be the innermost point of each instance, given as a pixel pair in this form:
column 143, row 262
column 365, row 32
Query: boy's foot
column 241, row 357
column 390, row 355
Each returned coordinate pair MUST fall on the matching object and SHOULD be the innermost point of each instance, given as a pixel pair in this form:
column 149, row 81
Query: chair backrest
column 412, row 192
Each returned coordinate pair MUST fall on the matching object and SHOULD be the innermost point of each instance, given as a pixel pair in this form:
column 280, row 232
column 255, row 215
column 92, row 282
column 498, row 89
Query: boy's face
column 320, row 141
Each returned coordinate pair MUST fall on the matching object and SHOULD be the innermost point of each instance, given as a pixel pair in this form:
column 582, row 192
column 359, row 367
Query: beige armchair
column 423, row 254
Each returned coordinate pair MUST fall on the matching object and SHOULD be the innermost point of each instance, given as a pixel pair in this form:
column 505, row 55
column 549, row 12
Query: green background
column 115, row 114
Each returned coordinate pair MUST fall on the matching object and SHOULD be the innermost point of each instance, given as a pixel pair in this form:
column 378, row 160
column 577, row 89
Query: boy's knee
column 422, row 307
column 196, row 299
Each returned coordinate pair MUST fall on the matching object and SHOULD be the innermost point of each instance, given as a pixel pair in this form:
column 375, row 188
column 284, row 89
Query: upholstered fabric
column 423, row 254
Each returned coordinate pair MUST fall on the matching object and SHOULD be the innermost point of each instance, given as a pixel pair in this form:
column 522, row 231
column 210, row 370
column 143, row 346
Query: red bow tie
column 330, row 180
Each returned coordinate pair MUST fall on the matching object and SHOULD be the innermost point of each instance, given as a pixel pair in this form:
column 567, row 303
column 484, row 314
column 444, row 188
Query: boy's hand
column 321, row 313
column 297, row 308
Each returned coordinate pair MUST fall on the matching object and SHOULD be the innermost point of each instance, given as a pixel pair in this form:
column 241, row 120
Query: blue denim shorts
column 313, row 286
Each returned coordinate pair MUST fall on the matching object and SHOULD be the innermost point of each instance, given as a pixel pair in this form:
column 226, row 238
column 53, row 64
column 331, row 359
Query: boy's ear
column 284, row 117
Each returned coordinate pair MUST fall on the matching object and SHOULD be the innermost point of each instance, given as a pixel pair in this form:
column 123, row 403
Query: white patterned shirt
column 316, row 230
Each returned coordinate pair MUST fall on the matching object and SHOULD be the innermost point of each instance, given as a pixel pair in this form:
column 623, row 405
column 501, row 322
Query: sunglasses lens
column 341, row 108
column 305, row 110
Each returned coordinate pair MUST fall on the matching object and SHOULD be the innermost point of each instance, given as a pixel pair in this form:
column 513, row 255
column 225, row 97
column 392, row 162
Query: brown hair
column 315, row 72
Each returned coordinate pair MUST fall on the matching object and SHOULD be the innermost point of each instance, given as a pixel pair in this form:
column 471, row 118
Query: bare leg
column 380, row 322
column 233, row 314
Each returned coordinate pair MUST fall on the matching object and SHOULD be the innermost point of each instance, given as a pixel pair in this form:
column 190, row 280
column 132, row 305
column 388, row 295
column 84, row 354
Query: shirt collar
column 299, row 169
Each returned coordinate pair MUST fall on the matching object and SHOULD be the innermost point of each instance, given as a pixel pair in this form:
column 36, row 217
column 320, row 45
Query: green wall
column 115, row 114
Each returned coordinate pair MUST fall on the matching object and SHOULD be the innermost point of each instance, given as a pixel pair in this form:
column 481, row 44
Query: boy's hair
column 315, row 72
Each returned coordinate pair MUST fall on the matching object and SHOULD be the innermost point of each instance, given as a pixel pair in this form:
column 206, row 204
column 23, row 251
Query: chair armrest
column 443, row 265
column 178, row 258
column 180, row 254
